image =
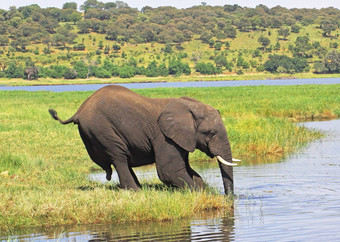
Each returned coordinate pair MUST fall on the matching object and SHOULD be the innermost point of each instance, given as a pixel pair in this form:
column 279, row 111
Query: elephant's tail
column 55, row 116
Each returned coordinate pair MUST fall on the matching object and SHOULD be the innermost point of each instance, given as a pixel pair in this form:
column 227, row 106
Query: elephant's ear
column 177, row 123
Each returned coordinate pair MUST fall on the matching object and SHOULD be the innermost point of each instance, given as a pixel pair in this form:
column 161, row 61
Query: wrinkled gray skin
column 124, row 129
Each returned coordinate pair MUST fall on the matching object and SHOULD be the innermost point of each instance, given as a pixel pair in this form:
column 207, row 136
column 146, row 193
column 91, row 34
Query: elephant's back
column 117, row 106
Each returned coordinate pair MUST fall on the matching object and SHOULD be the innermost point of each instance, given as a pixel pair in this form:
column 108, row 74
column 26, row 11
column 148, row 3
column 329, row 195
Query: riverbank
column 44, row 166
column 143, row 79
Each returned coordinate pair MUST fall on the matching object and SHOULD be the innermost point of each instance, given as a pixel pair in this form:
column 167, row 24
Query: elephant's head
column 192, row 124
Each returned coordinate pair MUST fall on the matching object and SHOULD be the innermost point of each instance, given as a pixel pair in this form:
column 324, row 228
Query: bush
column 14, row 70
column 176, row 67
column 290, row 65
column 207, row 69
column 126, row 71
column 79, row 47
column 332, row 62
column 152, row 70
column 70, row 73
column 81, row 69
column 56, row 71
column 101, row 72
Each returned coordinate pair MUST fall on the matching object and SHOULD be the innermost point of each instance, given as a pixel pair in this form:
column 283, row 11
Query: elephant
column 122, row 128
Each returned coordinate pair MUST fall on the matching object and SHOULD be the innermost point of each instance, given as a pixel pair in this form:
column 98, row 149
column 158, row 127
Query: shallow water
column 296, row 199
column 93, row 87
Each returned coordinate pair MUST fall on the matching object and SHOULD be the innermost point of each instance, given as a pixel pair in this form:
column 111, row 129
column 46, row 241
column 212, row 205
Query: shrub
column 81, row 69
column 126, row 71
column 101, row 72
column 79, row 47
column 290, row 65
column 207, row 68
column 176, row 67
column 14, row 70
column 70, row 73
column 56, row 71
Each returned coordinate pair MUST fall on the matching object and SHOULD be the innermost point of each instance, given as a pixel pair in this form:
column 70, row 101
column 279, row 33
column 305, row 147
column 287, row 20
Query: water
column 93, row 87
column 296, row 199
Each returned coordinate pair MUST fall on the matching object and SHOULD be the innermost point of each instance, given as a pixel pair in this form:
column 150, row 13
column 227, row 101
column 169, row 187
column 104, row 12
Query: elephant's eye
column 211, row 134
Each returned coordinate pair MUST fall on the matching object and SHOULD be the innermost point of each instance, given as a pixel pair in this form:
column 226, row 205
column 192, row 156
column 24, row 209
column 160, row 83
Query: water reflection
column 212, row 226
column 294, row 200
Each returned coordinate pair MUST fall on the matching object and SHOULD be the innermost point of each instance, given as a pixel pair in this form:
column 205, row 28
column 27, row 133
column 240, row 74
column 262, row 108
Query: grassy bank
column 193, row 77
column 44, row 165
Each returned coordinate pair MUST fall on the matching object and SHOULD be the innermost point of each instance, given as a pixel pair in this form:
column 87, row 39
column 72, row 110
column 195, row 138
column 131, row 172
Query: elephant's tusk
column 236, row 160
column 220, row 159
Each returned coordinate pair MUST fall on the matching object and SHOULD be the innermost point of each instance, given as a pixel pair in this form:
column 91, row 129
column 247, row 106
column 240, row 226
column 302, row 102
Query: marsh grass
column 44, row 166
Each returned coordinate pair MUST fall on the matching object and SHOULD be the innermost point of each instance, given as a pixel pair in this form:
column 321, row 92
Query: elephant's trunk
column 227, row 177
column 226, row 166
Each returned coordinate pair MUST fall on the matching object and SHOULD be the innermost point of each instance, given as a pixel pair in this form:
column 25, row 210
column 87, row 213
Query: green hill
column 107, row 40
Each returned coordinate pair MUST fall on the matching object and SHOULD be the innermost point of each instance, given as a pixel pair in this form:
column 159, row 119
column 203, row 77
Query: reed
column 44, row 166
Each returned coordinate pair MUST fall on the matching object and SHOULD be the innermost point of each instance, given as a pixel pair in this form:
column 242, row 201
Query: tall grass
column 44, row 166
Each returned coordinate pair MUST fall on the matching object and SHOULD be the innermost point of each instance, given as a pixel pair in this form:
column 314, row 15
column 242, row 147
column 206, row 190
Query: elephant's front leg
column 172, row 168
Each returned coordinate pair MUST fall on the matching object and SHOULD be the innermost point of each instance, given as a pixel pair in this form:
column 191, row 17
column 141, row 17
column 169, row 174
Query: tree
column 110, row 5
column 207, row 69
column 70, row 73
column 302, row 47
column 218, row 46
column 327, row 27
column 168, row 48
column 14, row 70
column 295, row 29
column 91, row 4
column 126, row 71
column 49, row 23
column 177, row 67
column 220, row 61
column 332, row 62
column 74, row 17
column 284, row 63
column 4, row 40
column 264, row 41
column 284, row 32
column 116, row 47
column 84, row 26
column 70, row 5
column 152, row 69
column 230, row 31
column 20, row 44
column 81, row 69
column 206, row 36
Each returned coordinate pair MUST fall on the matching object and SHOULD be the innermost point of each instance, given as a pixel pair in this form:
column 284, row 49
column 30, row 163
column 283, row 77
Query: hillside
column 104, row 40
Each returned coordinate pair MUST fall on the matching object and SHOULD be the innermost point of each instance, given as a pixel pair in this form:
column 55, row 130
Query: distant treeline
column 118, row 21
column 59, row 28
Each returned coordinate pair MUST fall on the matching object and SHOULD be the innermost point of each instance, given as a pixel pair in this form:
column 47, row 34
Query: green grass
column 44, row 166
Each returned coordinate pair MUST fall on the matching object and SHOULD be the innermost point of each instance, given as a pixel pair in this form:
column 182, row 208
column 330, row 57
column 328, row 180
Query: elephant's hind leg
column 127, row 177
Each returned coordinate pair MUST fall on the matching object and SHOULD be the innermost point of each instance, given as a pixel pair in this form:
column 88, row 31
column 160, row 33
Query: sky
column 5, row 4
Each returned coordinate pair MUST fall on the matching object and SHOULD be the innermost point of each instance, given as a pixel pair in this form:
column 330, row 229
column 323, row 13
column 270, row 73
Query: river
column 296, row 199
column 93, row 87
